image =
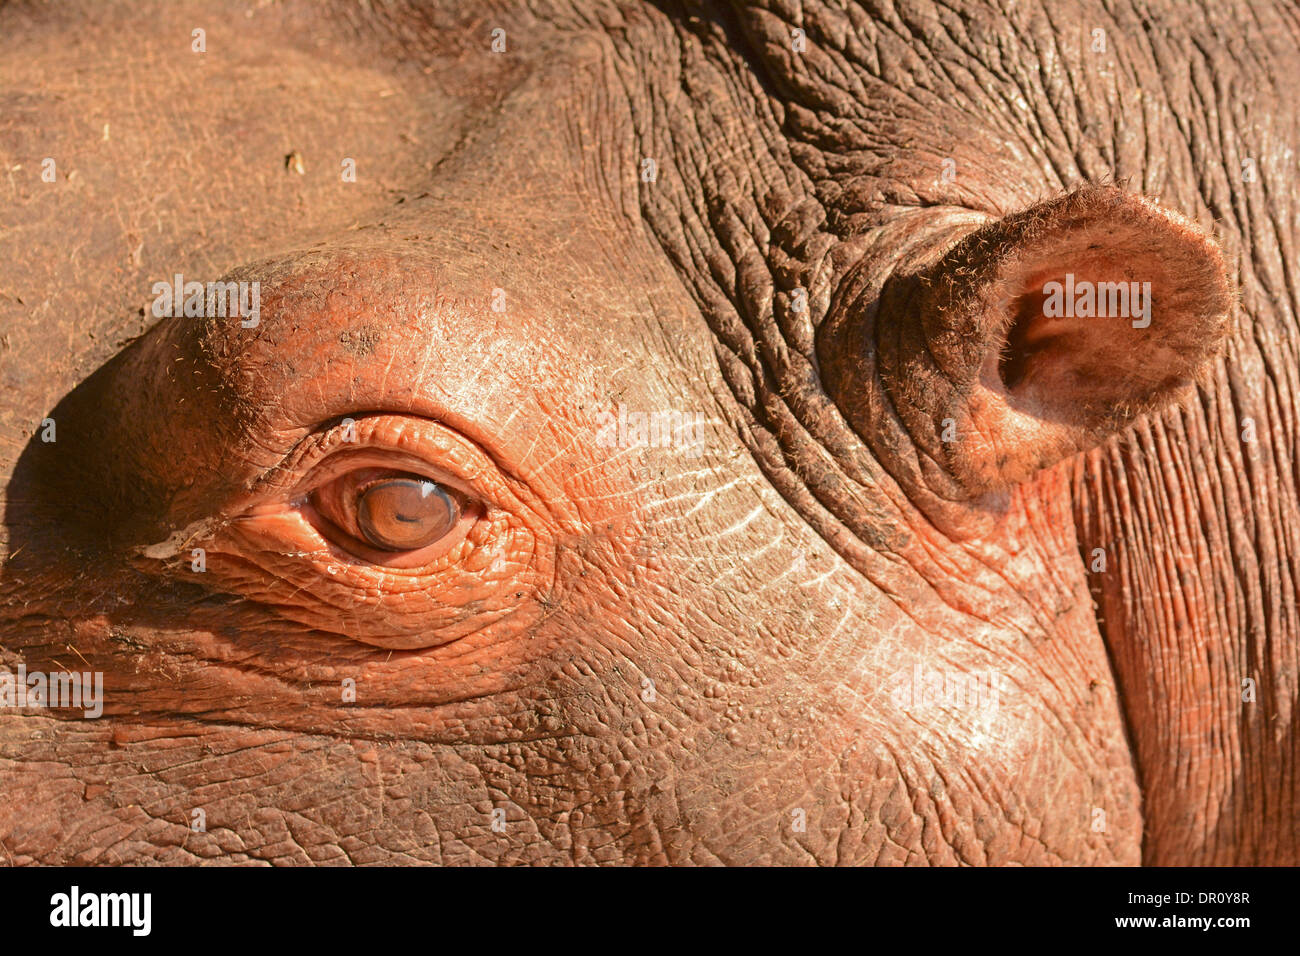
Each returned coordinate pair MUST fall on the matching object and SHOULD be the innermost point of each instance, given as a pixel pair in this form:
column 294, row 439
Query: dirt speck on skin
column 359, row 341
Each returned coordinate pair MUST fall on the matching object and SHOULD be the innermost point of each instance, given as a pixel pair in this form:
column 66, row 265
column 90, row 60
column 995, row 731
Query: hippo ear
column 1039, row 335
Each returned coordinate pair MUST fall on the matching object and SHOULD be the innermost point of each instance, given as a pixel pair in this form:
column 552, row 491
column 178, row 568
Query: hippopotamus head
column 614, row 432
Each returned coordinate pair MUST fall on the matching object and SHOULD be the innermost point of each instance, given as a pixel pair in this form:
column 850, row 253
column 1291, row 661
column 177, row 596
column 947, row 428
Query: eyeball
column 402, row 514
column 392, row 512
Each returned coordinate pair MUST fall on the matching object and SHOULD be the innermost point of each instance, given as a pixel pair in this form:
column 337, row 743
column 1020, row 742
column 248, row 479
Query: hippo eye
column 389, row 511
column 401, row 514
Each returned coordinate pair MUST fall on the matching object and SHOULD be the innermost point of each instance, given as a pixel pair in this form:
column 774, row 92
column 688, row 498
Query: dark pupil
column 400, row 514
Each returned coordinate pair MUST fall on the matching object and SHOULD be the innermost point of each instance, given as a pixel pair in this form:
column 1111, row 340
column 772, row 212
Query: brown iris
column 402, row 514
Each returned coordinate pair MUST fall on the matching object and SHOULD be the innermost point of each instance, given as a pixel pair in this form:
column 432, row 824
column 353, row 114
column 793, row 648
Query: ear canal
column 1041, row 334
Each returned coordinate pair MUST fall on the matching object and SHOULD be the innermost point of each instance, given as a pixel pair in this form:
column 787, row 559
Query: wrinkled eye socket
column 390, row 511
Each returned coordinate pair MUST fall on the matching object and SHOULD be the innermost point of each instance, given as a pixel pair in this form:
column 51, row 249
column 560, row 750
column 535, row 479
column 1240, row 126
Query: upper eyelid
column 433, row 448
column 325, row 441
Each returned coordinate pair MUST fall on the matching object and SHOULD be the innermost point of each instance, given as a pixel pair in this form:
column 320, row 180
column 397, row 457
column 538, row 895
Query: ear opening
column 1040, row 334
column 1105, row 301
